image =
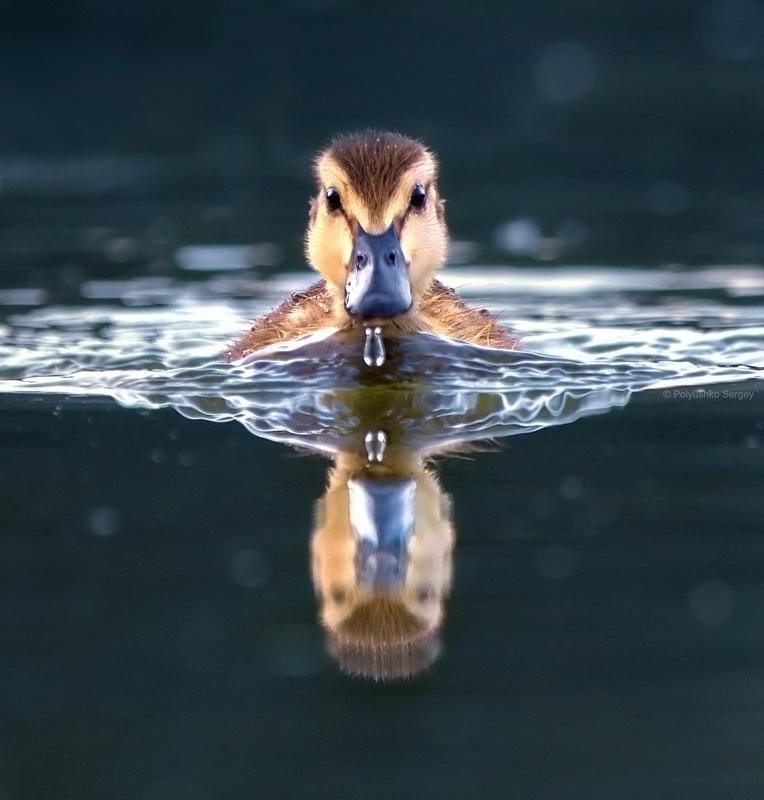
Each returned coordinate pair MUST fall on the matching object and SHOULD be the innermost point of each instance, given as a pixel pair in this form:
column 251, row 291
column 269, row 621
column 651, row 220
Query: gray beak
column 378, row 283
column 382, row 519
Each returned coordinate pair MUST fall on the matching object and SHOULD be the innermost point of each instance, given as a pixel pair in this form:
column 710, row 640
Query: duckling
column 377, row 235
column 381, row 561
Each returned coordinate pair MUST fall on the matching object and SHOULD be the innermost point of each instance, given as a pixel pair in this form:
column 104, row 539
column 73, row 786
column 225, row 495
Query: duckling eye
column 333, row 199
column 418, row 196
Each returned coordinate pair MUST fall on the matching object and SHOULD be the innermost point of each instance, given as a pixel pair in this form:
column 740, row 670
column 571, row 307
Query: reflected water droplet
column 375, row 443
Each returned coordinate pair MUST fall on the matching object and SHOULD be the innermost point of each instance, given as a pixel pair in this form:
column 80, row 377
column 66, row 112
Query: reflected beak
column 382, row 519
column 378, row 285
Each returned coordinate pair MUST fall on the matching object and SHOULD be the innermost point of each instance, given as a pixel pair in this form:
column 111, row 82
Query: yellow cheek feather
column 329, row 246
column 424, row 243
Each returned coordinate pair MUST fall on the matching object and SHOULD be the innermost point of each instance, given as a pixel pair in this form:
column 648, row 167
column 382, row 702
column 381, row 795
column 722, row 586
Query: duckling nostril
column 361, row 259
column 391, row 258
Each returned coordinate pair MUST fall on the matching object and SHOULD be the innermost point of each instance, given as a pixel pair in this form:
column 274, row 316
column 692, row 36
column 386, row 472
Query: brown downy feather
column 301, row 313
column 375, row 162
column 381, row 620
column 440, row 310
column 448, row 314
column 396, row 661
column 383, row 640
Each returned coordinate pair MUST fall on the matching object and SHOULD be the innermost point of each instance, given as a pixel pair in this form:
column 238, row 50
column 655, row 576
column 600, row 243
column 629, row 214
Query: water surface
column 602, row 635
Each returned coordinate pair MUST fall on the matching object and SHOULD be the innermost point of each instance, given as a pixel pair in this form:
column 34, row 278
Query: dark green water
column 603, row 636
column 603, row 645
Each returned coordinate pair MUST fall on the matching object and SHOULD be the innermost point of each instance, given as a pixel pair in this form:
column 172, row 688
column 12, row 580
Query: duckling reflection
column 381, row 558
column 383, row 536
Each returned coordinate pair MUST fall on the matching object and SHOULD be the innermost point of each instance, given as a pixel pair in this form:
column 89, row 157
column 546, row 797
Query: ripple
column 591, row 339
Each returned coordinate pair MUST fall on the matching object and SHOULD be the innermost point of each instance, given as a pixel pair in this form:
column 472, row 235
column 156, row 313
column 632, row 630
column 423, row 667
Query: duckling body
column 377, row 235
column 441, row 311
column 381, row 562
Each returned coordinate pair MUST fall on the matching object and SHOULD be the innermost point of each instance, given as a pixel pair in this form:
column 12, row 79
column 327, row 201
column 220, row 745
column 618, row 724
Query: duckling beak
column 378, row 285
column 382, row 519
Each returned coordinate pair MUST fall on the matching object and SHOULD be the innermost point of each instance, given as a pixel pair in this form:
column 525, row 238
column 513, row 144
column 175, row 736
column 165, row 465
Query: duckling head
column 377, row 230
column 381, row 563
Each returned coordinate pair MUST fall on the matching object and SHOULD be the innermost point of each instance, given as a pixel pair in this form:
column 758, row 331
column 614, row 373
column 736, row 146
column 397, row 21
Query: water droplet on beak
column 373, row 348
